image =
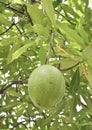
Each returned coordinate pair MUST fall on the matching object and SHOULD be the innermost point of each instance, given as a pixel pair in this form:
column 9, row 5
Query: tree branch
column 7, row 5
column 21, row 11
column 27, row 14
column 4, row 88
column 64, row 17
column 8, row 29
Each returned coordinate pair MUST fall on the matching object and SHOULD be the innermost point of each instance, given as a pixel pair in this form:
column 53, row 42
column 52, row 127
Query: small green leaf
column 4, row 20
column 10, row 106
column 89, row 75
column 69, row 9
column 71, row 34
column 75, row 82
column 77, row 5
column 20, row 51
column 42, row 55
column 81, row 30
column 88, row 53
column 16, row 53
column 37, row 15
column 48, row 6
column 14, row 93
column 20, row 109
column 17, row 1
column 66, row 63
column 41, row 30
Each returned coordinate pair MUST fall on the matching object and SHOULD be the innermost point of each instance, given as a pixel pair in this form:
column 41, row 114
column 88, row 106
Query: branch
column 64, row 17
column 21, row 11
column 4, row 88
column 7, row 5
column 8, row 29
column 27, row 14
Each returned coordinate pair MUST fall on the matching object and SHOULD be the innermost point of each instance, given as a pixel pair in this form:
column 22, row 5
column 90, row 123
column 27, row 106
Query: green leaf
column 41, row 30
column 9, row 107
column 42, row 55
column 75, row 82
column 4, row 20
column 87, row 53
column 14, row 93
column 20, row 109
column 70, row 10
column 89, row 75
column 20, row 51
column 81, row 30
column 37, row 16
column 77, row 5
column 17, row 1
column 66, row 63
column 48, row 6
column 71, row 34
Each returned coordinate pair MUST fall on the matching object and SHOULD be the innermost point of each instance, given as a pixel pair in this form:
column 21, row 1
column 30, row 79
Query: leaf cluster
column 52, row 32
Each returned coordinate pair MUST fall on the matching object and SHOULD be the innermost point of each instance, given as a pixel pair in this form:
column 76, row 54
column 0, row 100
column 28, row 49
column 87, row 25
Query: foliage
column 56, row 32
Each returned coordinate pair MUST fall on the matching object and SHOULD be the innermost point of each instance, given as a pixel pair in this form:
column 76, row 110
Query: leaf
column 37, row 16
column 89, row 75
column 14, row 93
column 87, row 53
column 18, row 1
column 9, row 107
column 20, row 109
column 70, row 10
column 48, row 6
column 81, row 30
column 77, row 5
column 20, row 51
column 54, row 126
column 42, row 55
column 75, row 82
column 71, row 34
column 66, row 63
column 4, row 20
column 41, row 30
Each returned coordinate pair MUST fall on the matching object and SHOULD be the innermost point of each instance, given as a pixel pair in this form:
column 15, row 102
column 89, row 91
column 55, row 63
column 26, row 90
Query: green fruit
column 46, row 86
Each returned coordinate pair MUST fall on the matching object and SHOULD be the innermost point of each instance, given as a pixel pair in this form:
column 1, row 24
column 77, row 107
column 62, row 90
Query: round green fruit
column 46, row 86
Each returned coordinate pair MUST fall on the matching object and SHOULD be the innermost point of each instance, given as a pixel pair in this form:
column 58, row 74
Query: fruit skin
column 46, row 86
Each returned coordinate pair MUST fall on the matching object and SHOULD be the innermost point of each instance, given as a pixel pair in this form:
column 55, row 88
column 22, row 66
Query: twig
column 7, row 5
column 27, row 14
column 8, row 29
column 51, row 48
column 63, row 50
column 35, row 1
column 64, row 17
column 10, row 84
column 21, row 11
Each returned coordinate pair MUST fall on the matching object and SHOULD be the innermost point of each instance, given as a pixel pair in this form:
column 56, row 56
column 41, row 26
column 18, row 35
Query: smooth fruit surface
column 46, row 86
